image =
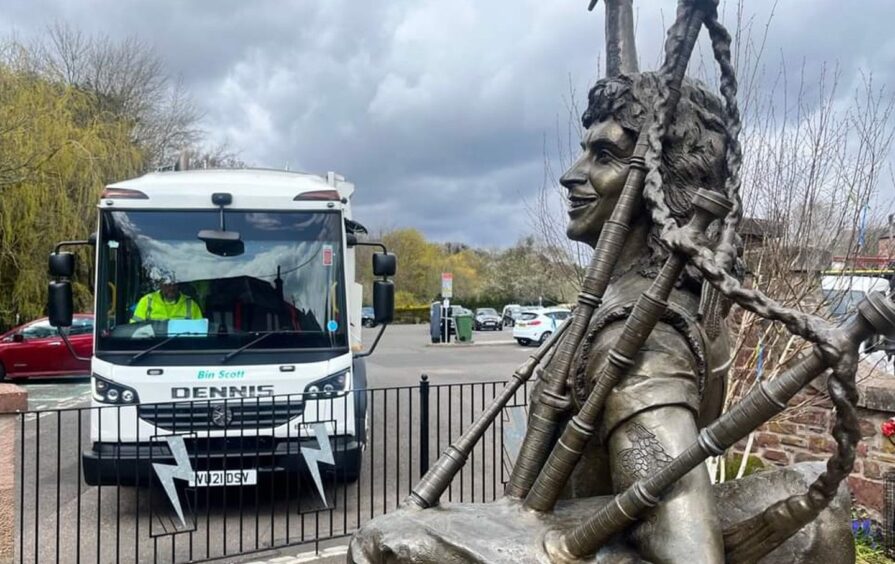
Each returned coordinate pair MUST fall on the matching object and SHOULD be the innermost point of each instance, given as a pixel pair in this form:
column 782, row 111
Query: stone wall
column 802, row 433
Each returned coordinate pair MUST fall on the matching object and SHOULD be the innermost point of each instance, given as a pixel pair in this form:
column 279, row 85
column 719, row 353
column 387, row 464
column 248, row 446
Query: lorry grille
column 216, row 416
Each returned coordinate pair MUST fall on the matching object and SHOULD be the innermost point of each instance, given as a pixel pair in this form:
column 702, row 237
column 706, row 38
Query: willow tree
column 58, row 148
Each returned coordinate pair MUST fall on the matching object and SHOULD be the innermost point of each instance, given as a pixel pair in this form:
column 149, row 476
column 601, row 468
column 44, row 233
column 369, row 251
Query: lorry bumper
column 130, row 464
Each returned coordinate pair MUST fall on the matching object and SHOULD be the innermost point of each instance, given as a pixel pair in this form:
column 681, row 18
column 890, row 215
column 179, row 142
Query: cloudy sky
column 438, row 110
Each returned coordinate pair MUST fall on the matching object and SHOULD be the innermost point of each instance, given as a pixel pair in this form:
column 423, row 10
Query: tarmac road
column 65, row 520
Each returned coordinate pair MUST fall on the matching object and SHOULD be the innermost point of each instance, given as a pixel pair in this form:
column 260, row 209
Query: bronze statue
column 629, row 405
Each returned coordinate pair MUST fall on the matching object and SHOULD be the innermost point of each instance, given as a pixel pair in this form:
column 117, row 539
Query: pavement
column 331, row 555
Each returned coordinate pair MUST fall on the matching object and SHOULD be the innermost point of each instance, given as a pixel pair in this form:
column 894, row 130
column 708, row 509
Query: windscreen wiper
column 162, row 343
column 253, row 342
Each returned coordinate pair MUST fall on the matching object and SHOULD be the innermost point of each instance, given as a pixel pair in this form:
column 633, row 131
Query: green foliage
column 732, row 463
column 57, row 151
column 417, row 314
column 870, row 553
column 522, row 274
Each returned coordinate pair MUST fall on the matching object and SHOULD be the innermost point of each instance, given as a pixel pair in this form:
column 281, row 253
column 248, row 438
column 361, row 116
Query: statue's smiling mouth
column 578, row 202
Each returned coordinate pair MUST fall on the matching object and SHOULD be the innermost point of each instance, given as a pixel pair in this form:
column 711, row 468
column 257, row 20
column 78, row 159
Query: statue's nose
column 572, row 178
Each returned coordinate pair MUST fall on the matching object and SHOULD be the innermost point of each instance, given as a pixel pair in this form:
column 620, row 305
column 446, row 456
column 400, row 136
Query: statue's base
column 504, row 532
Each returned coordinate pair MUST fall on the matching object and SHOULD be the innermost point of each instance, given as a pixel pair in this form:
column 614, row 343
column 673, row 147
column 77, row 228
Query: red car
column 36, row 349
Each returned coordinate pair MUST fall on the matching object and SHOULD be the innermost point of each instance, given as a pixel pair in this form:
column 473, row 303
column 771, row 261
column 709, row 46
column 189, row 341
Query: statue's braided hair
column 716, row 266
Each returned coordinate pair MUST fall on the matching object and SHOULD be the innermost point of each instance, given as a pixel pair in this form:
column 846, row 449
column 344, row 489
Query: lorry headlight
column 106, row 391
column 333, row 386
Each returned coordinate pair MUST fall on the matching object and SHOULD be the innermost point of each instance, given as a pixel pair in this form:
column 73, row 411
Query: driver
column 166, row 303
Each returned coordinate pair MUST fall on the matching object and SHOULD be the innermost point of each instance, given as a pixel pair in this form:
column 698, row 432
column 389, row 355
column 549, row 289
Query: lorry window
column 288, row 281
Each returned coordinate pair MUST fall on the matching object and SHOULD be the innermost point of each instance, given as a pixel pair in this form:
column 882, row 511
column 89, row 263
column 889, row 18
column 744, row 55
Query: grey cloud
column 438, row 111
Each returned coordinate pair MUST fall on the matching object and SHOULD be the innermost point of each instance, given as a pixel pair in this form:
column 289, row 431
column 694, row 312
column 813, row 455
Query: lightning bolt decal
column 182, row 470
column 314, row 456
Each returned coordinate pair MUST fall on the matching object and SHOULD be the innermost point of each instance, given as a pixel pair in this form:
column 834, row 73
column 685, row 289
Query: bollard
column 13, row 400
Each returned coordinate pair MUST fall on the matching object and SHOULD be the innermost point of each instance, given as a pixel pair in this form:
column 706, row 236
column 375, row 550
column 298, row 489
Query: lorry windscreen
column 157, row 279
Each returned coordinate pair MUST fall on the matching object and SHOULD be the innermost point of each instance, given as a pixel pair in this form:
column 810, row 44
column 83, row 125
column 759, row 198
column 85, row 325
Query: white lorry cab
column 227, row 317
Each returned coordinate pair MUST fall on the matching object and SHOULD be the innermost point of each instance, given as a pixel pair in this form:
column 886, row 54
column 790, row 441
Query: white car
column 537, row 326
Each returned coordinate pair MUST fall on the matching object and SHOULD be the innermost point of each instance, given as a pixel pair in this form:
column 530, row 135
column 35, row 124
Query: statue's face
column 596, row 179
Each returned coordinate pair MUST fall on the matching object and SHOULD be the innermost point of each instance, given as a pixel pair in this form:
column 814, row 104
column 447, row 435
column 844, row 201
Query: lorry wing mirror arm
column 372, row 348
column 71, row 349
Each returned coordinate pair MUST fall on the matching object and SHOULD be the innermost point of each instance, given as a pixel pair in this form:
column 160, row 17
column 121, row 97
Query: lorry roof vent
column 124, row 194
column 319, row 195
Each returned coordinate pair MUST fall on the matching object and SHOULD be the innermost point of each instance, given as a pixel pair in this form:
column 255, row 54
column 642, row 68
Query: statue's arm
column 649, row 418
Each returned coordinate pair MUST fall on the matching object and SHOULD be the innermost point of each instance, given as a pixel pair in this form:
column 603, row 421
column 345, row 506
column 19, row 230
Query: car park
column 487, row 318
column 536, row 326
column 36, row 349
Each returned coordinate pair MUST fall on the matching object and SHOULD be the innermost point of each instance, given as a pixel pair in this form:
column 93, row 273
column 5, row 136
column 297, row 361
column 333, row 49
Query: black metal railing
column 139, row 484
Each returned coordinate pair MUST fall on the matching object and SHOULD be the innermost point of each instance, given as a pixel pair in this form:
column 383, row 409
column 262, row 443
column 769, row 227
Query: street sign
column 447, row 285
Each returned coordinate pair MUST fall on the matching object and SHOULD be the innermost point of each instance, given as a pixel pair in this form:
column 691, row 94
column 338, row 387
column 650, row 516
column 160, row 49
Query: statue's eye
column 603, row 156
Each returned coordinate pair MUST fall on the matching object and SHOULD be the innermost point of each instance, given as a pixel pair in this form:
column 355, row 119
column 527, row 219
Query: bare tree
column 547, row 213
column 129, row 81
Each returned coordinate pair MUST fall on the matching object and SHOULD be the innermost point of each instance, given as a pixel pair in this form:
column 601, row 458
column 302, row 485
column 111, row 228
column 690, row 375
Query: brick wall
column 802, row 433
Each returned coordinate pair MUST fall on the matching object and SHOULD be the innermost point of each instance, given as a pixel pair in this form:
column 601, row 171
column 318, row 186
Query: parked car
column 487, row 318
column 368, row 318
column 536, row 326
column 510, row 313
column 36, row 349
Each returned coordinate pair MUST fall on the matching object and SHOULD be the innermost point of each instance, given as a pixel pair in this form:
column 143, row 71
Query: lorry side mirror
column 62, row 265
column 383, row 301
column 60, row 305
column 384, row 264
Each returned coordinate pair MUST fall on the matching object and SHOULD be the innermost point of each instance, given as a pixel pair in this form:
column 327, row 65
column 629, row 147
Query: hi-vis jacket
column 153, row 306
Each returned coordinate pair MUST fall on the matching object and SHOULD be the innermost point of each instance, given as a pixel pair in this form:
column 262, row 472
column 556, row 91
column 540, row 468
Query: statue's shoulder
column 679, row 343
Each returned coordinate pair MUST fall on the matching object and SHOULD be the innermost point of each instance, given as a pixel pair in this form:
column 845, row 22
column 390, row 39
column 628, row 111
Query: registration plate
column 224, row 478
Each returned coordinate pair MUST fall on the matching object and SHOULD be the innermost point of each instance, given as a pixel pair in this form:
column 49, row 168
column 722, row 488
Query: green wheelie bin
column 464, row 328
